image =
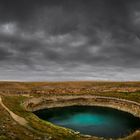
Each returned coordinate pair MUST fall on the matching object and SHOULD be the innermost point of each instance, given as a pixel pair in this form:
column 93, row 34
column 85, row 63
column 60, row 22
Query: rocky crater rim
column 34, row 104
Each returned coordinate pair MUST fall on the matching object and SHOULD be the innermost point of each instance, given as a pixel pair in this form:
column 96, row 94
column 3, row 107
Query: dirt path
column 17, row 118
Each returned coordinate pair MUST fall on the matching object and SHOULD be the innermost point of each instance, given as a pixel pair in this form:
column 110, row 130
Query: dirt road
column 17, row 118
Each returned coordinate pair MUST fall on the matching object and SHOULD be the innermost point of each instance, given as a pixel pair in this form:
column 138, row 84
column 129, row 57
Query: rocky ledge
column 35, row 104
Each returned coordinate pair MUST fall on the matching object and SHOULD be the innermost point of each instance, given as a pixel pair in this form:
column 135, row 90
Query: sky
column 64, row 40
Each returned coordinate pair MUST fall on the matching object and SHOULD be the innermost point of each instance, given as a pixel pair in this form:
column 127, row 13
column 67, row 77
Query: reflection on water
column 98, row 121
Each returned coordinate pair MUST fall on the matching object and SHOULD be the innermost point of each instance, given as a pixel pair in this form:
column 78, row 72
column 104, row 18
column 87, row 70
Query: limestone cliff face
column 34, row 104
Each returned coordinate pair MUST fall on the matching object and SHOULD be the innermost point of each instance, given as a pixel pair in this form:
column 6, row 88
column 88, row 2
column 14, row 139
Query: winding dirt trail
column 17, row 118
column 22, row 121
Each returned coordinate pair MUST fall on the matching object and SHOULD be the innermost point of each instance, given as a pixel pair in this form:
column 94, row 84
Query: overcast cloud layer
column 69, row 40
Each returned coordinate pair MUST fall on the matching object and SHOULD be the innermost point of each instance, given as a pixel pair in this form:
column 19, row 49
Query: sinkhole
column 92, row 120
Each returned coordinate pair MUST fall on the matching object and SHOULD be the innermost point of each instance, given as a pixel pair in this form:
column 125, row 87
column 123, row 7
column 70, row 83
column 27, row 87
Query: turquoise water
column 98, row 121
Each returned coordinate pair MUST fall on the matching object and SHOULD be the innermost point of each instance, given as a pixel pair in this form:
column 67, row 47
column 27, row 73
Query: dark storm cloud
column 38, row 34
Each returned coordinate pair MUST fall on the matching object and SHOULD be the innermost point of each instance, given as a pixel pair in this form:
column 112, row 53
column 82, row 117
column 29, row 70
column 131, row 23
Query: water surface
column 92, row 120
